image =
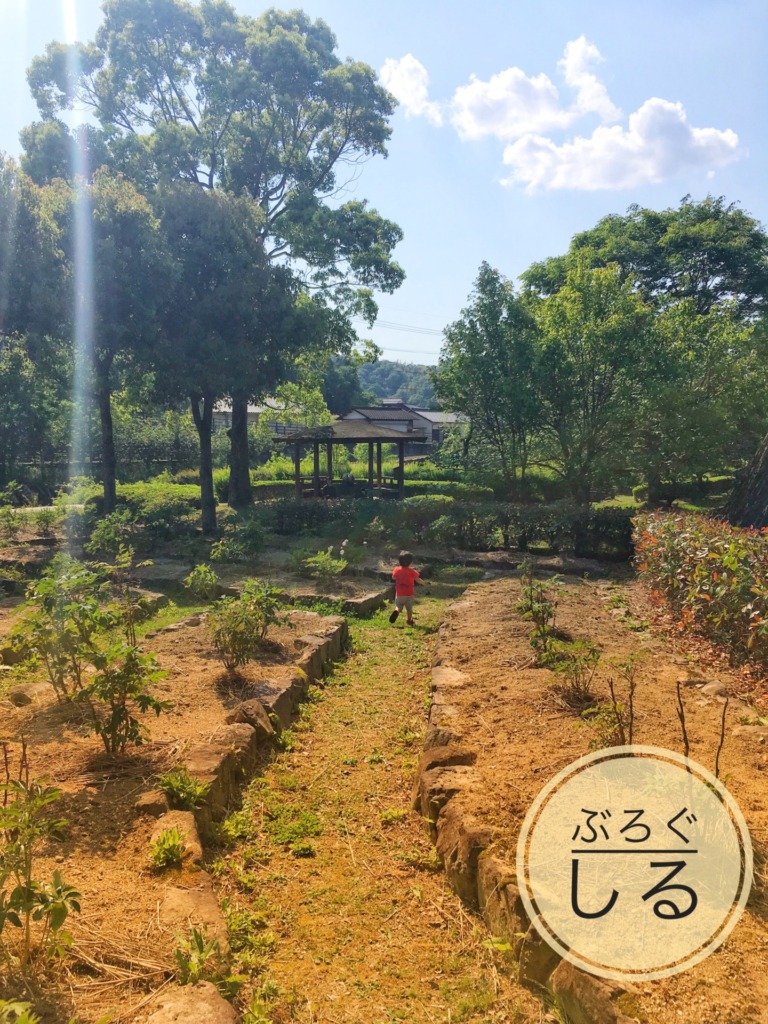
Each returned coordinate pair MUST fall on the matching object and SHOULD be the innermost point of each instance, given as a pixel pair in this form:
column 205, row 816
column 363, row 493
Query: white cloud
column 659, row 143
column 407, row 79
column 509, row 105
column 591, row 94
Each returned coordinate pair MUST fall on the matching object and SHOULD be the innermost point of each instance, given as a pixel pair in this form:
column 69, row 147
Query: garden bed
column 133, row 916
column 498, row 733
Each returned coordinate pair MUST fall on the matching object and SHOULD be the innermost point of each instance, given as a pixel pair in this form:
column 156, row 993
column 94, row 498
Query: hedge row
column 715, row 576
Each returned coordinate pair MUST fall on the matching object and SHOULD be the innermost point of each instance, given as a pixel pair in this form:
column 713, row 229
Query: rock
column 537, row 960
column 253, row 713
column 690, row 679
column 184, row 821
column 460, row 841
column 435, row 788
column 183, row 909
column 192, row 1004
column 440, row 736
column 499, row 900
column 757, row 732
column 151, row 804
column 586, row 999
column 26, row 693
column 194, row 620
column 715, row 690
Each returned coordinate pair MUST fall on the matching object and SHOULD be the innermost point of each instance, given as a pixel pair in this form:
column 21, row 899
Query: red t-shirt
column 404, row 577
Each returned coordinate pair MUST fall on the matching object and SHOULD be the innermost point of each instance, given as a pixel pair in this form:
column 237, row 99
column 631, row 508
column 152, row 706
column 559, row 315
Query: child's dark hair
column 405, row 558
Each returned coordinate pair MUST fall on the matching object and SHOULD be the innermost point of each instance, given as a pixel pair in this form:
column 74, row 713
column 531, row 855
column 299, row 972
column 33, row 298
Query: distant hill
column 407, row 381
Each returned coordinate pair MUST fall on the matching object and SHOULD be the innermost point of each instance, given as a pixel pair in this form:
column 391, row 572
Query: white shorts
column 404, row 602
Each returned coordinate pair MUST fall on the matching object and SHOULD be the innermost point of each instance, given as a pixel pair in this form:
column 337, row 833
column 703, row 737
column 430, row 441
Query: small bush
column 324, row 568
column 238, row 625
column 202, row 582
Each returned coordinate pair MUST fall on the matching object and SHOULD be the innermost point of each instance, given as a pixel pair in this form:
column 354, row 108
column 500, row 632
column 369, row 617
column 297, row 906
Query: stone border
column 445, row 778
column 225, row 761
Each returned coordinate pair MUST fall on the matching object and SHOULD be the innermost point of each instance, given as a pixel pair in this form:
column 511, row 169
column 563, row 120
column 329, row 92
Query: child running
column 405, row 577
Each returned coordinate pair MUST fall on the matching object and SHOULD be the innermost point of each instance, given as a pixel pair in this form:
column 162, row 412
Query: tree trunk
column 108, row 458
column 240, row 493
column 202, row 414
column 748, row 504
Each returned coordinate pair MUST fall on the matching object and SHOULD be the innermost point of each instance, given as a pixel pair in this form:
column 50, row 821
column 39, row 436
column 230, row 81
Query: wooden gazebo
column 348, row 432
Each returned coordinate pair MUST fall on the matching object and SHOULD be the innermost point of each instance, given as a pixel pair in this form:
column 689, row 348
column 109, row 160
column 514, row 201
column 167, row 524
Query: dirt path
column 338, row 909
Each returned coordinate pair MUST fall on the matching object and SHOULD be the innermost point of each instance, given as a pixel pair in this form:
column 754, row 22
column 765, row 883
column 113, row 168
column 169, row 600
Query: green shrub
column 715, row 576
column 120, row 687
column 324, row 568
column 238, row 625
column 221, row 485
column 202, row 582
column 47, row 520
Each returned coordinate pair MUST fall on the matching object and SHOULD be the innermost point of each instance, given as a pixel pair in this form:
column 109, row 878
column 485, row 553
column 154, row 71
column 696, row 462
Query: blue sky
column 521, row 122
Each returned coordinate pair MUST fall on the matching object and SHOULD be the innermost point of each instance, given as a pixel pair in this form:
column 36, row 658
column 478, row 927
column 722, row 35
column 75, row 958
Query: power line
column 405, row 328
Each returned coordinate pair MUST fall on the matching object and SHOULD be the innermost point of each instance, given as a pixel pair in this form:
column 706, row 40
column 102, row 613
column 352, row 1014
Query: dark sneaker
column 394, row 615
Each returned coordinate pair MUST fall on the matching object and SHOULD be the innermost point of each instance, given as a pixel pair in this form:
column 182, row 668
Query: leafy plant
column 167, row 850
column 238, row 625
column 324, row 568
column 25, row 824
column 202, row 582
column 199, row 958
column 576, row 663
column 11, row 522
column 47, row 520
column 12, row 1012
column 62, row 622
column 184, row 792
column 538, row 604
column 120, row 685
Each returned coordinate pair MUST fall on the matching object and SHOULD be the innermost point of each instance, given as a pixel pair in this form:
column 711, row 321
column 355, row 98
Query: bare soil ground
column 524, row 736
column 120, row 948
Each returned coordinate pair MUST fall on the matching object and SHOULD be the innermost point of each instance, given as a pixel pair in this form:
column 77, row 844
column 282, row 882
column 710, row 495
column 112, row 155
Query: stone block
column 192, row 1004
column 184, row 821
column 460, row 841
column 537, row 960
column 499, row 899
column 151, row 804
column 586, row 999
column 183, row 909
column 27, row 693
column 253, row 713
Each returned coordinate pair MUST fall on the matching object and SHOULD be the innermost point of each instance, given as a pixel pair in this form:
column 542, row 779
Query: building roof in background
column 353, row 430
column 398, row 413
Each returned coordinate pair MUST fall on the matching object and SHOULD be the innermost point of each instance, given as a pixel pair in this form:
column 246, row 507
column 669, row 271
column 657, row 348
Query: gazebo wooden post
column 370, row 465
column 316, row 468
column 401, row 468
column 378, row 463
column 329, row 461
column 297, row 468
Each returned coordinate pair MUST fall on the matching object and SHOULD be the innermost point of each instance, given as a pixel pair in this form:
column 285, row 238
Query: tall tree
column 261, row 105
column 486, row 371
column 130, row 273
column 709, row 252
column 593, row 334
column 231, row 315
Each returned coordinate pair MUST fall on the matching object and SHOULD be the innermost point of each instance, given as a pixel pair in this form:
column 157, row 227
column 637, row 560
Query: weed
column 324, row 568
column 349, row 760
column 167, row 850
column 199, row 958
column 184, row 792
column 12, row 1012
column 25, row 825
column 303, row 849
column 375, row 757
column 392, row 816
